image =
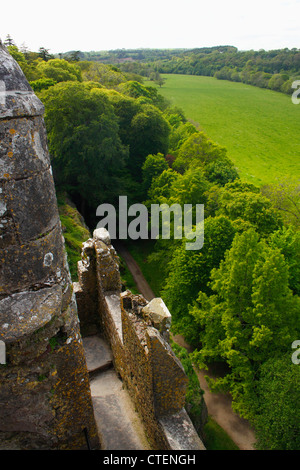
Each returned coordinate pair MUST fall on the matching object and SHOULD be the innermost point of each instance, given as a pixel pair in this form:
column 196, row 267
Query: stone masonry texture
column 45, row 400
column 137, row 333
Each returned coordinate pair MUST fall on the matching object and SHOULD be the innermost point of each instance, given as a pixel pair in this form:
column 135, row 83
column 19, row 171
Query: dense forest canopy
column 237, row 300
column 274, row 69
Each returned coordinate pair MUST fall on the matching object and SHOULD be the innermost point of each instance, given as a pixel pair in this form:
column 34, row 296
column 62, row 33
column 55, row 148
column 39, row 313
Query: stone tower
column 45, row 400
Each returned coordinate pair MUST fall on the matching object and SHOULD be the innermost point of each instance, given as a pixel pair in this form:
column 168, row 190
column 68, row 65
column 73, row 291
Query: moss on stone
column 74, row 230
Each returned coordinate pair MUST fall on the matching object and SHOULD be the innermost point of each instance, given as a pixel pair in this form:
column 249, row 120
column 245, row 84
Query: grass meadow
column 260, row 128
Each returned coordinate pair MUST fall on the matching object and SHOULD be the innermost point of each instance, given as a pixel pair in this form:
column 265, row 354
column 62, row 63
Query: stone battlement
column 137, row 332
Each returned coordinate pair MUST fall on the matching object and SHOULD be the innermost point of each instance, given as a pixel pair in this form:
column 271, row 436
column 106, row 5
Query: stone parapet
column 138, row 332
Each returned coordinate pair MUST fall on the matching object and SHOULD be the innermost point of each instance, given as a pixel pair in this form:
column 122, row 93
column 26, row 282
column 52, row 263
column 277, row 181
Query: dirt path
column 219, row 408
column 141, row 283
column 218, row 404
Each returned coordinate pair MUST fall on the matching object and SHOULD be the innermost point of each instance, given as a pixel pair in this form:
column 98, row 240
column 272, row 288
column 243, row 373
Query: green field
column 260, row 128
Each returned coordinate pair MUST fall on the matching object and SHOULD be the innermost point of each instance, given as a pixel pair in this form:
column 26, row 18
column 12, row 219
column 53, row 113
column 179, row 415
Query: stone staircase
column 119, row 425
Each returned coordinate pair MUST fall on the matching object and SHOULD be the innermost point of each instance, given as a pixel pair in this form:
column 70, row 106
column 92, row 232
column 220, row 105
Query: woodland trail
column 218, row 404
column 141, row 283
column 219, row 408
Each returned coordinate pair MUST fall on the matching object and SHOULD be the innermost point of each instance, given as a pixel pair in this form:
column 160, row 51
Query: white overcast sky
column 64, row 25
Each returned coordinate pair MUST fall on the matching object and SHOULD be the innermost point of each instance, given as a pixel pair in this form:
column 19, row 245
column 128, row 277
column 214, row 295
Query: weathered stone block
column 8, row 235
column 107, row 267
column 87, row 276
column 34, row 264
column 101, row 234
column 169, row 378
column 32, row 204
column 17, row 97
column 157, row 312
column 180, row 432
column 23, row 148
column 25, row 312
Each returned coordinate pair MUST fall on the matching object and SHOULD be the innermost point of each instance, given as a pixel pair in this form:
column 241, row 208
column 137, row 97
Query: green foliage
column 179, row 133
column 194, row 396
column 221, row 172
column 74, row 231
column 59, row 70
column 288, row 242
column 197, row 150
column 161, row 186
column 125, row 109
column 153, row 166
column 285, row 197
column 88, row 155
column 28, row 66
column 252, row 316
column 144, row 94
column 235, row 300
column 16, row 54
column 215, row 437
column 42, row 84
column 107, row 75
column 237, row 201
column 190, row 273
column 277, row 413
column 149, row 134
column 189, row 188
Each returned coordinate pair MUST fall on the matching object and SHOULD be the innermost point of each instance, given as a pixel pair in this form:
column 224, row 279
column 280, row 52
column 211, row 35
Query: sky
column 64, row 25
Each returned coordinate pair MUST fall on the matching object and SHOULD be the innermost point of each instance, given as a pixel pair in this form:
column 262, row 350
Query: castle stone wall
column 137, row 332
column 44, row 387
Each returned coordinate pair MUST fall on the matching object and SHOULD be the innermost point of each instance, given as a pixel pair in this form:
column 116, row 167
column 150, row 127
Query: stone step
column 119, row 425
column 97, row 353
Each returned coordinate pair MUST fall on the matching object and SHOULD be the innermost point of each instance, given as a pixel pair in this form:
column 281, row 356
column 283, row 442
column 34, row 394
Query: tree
column 252, row 316
column 179, row 133
column 240, row 201
column 59, row 70
column 160, row 81
column 277, row 81
column 285, row 197
column 287, row 240
column 221, row 172
column 161, row 186
column 189, row 273
column 198, row 150
column 125, row 109
column 42, row 84
column 17, row 55
column 107, row 75
column 145, row 95
column 88, row 156
column 45, row 54
column 148, row 134
column 74, row 56
column 191, row 188
column 277, row 413
column 153, row 166
column 9, row 41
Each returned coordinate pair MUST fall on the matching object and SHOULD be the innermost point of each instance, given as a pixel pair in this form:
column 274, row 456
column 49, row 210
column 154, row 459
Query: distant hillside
column 274, row 69
column 144, row 55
